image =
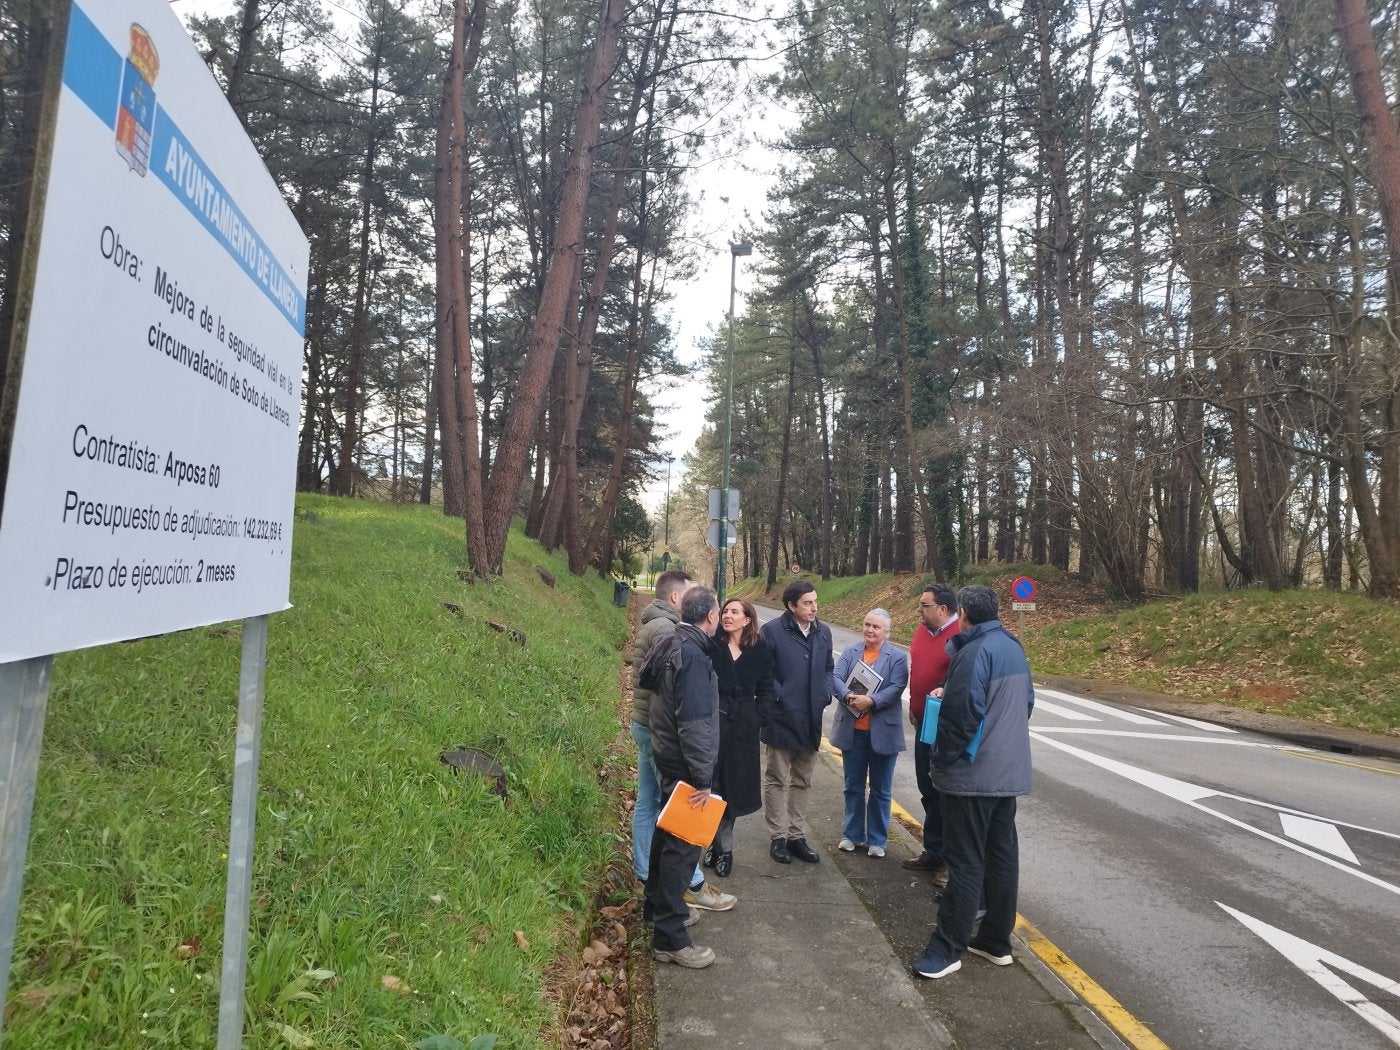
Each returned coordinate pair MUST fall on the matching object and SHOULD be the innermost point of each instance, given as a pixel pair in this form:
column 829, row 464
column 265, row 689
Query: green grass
column 1311, row 654
column 373, row 859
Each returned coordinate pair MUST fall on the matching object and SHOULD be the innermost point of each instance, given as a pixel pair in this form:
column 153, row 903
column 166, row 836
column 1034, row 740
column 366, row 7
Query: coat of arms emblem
column 136, row 106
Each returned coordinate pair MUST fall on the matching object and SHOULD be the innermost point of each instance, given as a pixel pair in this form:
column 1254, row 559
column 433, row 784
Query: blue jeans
column 867, row 819
column 648, row 806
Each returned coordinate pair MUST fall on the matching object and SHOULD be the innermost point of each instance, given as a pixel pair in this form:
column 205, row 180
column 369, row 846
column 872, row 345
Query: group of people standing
column 713, row 688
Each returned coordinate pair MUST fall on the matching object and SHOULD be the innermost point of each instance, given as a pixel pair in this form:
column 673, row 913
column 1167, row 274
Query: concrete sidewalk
column 815, row 955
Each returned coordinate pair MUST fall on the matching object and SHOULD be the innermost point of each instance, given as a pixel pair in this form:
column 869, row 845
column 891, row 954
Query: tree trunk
column 514, row 445
column 359, row 324
column 247, row 29
column 425, row 481
column 456, row 400
column 599, row 544
column 781, row 501
column 828, row 511
column 933, row 559
column 580, row 365
column 1380, row 521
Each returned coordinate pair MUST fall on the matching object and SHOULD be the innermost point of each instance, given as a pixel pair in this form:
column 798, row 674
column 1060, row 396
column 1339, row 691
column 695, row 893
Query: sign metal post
column 238, row 896
column 1023, row 592
column 24, row 696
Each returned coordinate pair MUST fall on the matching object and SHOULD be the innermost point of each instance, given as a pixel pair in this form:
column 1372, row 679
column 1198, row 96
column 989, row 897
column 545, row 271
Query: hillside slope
column 394, row 899
column 1317, row 655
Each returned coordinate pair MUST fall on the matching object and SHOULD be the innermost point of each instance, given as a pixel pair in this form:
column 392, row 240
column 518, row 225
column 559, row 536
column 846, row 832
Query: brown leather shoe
column 923, row 862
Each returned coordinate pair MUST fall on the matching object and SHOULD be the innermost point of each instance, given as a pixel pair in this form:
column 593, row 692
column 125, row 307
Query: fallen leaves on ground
column 598, row 1014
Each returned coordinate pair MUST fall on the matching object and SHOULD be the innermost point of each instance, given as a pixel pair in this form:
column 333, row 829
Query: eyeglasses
column 928, row 605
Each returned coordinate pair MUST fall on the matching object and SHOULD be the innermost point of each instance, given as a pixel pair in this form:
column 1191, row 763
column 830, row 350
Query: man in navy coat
column 802, row 666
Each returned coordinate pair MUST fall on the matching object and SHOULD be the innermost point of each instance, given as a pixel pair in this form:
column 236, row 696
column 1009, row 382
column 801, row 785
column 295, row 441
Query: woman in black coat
column 744, row 667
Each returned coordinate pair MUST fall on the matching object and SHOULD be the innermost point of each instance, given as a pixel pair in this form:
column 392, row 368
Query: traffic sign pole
column 1023, row 591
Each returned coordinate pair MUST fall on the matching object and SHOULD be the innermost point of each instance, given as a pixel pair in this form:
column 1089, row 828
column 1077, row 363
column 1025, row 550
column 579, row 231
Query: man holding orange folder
column 685, row 742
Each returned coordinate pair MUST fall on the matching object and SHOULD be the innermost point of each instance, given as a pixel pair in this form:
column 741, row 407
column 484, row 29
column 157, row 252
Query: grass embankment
column 394, row 900
column 1317, row 655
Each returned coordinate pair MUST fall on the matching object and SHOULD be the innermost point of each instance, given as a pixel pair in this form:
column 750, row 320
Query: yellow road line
column 1115, row 1015
column 911, row 824
column 1132, row 1031
column 1340, row 761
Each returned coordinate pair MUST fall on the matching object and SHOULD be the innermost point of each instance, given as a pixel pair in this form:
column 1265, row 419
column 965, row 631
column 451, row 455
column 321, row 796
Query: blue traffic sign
column 1023, row 588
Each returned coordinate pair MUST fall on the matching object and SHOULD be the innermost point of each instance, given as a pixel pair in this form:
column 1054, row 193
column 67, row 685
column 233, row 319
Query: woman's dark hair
column 748, row 637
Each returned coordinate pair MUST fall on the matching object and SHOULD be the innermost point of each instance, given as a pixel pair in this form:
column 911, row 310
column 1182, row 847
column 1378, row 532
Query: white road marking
column 1194, row 723
column 1139, row 734
column 1103, row 709
column 1309, row 816
column 1169, row 786
column 1062, row 712
column 1319, row 834
column 1191, row 794
column 1318, row 964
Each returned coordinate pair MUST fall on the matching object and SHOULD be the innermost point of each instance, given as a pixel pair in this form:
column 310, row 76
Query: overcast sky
column 727, row 190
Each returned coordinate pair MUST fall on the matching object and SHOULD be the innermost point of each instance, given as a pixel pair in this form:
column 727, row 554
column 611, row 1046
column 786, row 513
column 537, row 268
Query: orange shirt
column 867, row 657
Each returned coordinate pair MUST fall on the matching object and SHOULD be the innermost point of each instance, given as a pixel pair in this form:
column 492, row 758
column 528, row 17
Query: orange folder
column 696, row 826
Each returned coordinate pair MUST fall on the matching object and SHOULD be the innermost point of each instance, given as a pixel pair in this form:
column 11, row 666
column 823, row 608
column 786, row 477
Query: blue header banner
column 93, row 71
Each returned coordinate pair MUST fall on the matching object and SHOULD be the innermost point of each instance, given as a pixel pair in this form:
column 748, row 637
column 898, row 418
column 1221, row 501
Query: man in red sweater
column 928, row 667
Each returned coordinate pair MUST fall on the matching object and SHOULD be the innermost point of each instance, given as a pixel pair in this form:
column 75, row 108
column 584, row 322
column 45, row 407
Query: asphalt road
column 1227, row 889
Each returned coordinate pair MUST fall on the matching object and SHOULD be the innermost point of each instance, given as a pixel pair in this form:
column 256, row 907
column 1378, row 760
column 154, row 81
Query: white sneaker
column 877, row 851
column 991, row 956
column 846, row 846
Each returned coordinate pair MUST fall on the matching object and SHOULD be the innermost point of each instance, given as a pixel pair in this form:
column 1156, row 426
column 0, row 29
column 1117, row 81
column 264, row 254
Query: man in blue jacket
column 980, row 763
column 802, row 666
column 684, row 719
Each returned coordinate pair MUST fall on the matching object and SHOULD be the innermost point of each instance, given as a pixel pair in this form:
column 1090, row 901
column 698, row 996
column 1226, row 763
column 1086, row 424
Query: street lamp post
column 669, row 461
column 736, row 249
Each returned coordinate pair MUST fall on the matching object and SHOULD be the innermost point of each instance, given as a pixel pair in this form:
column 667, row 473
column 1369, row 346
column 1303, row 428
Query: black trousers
column 672, row 865
column 928, row 795
column 981, row 847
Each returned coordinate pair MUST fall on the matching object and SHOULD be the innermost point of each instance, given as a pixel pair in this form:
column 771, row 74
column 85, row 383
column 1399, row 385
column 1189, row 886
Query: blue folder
column 928, row 729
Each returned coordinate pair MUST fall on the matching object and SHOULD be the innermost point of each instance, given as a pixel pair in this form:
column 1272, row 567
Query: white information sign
column 153, row 465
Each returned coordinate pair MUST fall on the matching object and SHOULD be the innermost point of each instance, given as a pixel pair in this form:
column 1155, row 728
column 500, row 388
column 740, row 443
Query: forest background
column 1105, row 286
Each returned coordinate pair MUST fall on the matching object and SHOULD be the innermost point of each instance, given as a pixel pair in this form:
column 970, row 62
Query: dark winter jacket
column 659, row 619
column 685, row 712
column 745, row 704
column 988, row 686
column 802, row 669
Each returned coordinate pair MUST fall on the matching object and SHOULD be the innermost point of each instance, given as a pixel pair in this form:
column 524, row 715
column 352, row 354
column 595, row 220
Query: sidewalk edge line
column 1132, row 1031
